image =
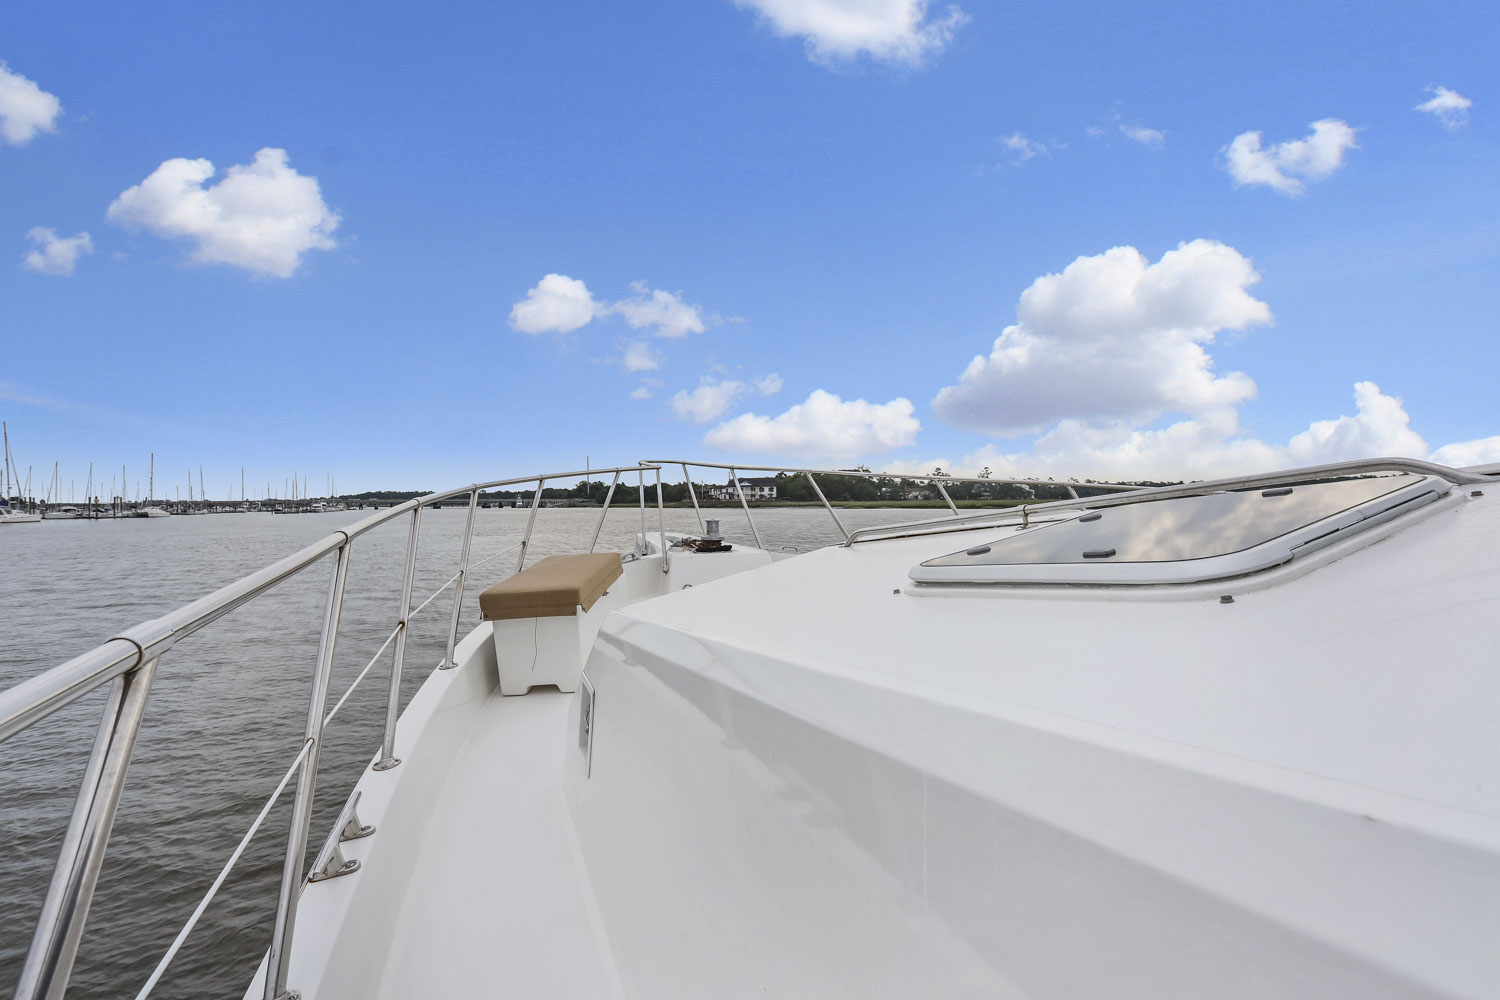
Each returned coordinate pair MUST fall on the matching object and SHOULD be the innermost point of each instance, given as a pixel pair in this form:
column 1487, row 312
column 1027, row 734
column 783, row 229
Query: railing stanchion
column 536, row 499
column 946, row 498
column 819, row 491
column 278, row 959
column 746, row 504
column 603, row 511
column 692, row 494
column 59, row 929
column 458, row 593
column 388, row 758
column 1072, row 493
column 661, row 525
column 640, row 495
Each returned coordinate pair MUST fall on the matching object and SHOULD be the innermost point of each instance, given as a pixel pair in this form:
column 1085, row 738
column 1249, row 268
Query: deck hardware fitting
column 386, row 764
column 330, row 862
column 1227, row 599
column 335, row 866
column 1098, row 553
column 353, row 829
column 1476, row 493
column 977, row 550
column 1284, row 491
column 896, row 591
column 1091, row 517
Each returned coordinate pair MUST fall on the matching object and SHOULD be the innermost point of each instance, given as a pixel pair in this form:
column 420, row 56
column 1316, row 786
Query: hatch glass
column 1177, row 530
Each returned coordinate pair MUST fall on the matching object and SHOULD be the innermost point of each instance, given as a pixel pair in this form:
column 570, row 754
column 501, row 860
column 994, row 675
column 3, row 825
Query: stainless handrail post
column 946, row 497
column 59, row 929
column 661, row 526
column 458, row 593
column 603, row 511
column 536, row 499
column 640, row 495
column 828, row 506
column 388, row 758
column 745, row 504
column 692, row 494
column 279, row 956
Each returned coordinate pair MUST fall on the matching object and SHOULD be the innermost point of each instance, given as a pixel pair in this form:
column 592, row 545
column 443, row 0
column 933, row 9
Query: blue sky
column 778, row 231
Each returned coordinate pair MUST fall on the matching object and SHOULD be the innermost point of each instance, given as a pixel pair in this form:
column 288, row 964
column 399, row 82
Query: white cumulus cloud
column 263, row 216
column 1286, row 167
column 1448, row 106
column 1022, row 149
column 1482, row 451
column 641, row 392
column 1108, row 361
column 904, row 31
column 824, row 426
column 1113, row 337
column 55, row 254
column 1143, row 135
column 769, row 385
column 710, row 400
column 663, row 313
column 25, row 108
column 558, row 304
column 1214, row 445
column 640, row 357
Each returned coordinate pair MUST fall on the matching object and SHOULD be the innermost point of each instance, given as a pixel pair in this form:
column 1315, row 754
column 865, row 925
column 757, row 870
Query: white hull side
column 804, row 784
column 875, row 844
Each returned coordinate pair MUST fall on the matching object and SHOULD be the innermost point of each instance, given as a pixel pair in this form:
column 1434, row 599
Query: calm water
column 228, row 707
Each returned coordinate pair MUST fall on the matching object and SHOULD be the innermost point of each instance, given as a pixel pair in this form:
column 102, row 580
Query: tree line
column 795, row 487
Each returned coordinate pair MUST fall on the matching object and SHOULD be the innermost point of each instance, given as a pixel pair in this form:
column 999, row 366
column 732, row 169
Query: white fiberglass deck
column 498, row 904
column 815, row 778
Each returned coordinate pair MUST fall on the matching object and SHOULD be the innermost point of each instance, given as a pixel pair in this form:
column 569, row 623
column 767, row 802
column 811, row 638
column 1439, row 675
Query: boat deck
column 499, row 903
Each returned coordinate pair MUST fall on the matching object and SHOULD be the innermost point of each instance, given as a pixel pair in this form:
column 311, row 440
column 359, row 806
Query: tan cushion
column 558, row 585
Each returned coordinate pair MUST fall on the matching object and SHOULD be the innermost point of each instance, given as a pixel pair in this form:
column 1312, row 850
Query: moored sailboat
column 8, row 513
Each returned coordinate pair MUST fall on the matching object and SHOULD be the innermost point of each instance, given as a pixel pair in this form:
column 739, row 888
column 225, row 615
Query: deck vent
column 1187, row 539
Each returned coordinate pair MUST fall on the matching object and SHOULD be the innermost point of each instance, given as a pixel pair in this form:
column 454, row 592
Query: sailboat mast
column 151, row 480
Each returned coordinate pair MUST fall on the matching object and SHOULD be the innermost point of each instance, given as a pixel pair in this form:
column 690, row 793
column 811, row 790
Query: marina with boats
column 18, row 505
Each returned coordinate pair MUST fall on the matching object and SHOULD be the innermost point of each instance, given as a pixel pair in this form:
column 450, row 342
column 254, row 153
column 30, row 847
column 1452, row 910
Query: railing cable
column 340, row 704
column 213, row 890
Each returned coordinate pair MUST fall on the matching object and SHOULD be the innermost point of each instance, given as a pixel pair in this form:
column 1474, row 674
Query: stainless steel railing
column 129, row 662
column 941, row 482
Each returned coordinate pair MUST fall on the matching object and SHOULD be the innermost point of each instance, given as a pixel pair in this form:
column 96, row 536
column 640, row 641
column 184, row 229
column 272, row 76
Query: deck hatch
column 1183, row 539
